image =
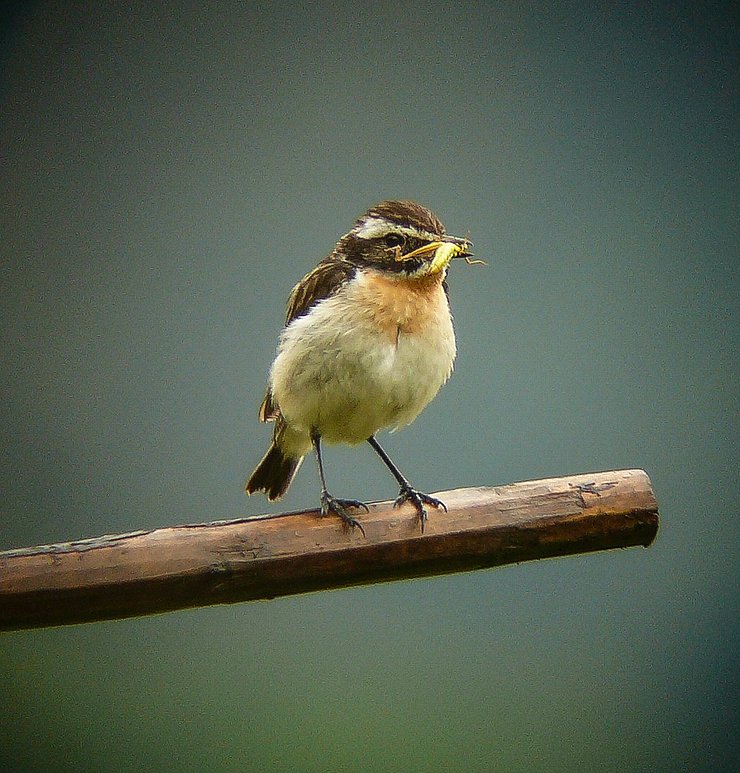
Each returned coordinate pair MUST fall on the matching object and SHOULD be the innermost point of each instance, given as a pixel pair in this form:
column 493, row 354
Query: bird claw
column 330, row 504
column 419, row 499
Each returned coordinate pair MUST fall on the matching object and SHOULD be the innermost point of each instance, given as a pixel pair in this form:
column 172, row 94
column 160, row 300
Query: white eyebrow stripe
column 373, row 227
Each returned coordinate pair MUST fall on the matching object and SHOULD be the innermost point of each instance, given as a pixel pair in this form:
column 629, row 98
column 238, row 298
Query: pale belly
column 338, row 372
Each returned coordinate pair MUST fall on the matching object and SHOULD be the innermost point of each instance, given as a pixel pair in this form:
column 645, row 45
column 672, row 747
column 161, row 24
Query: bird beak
column 443, row 252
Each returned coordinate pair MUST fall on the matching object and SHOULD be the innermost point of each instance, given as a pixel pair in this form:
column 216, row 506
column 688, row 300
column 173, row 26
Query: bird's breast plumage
column 368, row 357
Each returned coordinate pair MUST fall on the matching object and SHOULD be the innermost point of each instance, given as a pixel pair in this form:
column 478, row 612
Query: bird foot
column 418, row 500
column 330, row 504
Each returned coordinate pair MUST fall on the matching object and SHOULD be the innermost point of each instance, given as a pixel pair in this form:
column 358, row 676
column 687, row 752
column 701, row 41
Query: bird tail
column 274, row 473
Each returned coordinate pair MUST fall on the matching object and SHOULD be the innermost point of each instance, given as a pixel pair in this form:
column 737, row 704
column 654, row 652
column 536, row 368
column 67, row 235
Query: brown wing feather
column 320, row 283
column 268, row 410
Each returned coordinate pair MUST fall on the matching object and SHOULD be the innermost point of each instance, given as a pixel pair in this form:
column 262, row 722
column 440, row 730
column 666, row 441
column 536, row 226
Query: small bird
column 368, row 341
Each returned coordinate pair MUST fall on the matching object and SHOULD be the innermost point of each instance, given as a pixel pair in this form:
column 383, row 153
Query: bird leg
column 332, row 504
column 407, row 493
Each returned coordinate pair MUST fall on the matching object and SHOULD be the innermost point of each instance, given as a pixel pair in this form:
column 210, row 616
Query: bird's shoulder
column 331, row 274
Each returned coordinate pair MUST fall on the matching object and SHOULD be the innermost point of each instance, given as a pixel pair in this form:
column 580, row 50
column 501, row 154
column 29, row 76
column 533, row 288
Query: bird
column 368, row 342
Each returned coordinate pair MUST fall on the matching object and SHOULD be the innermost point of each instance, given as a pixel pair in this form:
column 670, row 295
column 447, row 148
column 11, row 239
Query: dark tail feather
column 274, row 473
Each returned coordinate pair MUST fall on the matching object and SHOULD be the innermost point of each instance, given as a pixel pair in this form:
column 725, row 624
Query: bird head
column 402, row 238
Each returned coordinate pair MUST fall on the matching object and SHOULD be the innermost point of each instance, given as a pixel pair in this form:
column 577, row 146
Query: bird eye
column 393, row 240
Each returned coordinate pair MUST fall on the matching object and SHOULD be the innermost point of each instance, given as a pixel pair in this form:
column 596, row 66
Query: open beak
column 443, row 252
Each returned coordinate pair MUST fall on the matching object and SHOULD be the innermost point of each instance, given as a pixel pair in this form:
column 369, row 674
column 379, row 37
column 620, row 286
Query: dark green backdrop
column 170, row 170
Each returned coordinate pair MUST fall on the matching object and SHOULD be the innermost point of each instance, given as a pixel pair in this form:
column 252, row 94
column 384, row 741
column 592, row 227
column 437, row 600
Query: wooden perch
column 146, row 572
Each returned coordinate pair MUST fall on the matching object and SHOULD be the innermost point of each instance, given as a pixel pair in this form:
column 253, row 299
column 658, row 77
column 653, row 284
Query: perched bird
column 368, row 342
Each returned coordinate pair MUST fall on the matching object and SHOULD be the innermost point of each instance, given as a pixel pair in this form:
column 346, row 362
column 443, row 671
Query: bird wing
column 268, row 410
column 317, row 285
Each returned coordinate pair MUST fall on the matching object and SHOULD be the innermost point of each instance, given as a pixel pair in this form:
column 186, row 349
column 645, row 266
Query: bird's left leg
column 407, row 493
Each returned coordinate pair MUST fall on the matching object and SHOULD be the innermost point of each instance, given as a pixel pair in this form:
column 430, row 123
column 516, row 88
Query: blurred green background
column 169, row 171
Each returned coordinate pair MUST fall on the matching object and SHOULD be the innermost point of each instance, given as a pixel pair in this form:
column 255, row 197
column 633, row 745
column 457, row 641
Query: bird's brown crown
column 406, row 214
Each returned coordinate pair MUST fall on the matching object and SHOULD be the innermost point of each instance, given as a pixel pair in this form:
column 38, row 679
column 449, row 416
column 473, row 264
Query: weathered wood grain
column 262, row 557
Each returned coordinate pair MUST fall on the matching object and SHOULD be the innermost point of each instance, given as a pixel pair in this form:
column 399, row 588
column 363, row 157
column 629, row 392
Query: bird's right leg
column 332, row 504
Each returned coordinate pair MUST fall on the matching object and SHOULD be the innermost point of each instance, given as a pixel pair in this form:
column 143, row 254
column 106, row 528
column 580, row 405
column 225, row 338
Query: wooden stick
column 146, row 572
